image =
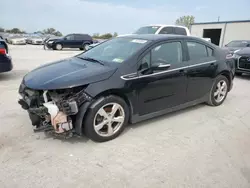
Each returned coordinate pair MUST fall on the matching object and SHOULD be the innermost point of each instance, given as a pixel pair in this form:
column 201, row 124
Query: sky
column 122, row 16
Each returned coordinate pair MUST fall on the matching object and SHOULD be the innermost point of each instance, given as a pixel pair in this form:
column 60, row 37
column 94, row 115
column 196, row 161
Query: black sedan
column 125, row 80
column 5, row 59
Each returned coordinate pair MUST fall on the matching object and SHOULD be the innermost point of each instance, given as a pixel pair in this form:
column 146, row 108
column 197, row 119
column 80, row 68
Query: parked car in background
column 5, row 59
column 34, row 40
column 163, row 29
column 236, row 45
column 242, row 61
column 125, row 79
column 81, row 41
column 17, row 40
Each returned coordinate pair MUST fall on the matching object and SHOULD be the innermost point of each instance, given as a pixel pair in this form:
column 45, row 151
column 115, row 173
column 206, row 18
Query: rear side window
column 167, row 30
column 180, row 31
column 196, row 50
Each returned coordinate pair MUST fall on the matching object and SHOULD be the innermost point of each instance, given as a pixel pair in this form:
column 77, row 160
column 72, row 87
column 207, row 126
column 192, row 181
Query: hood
column 67, row 73
column 232, row 49
column 244, row 51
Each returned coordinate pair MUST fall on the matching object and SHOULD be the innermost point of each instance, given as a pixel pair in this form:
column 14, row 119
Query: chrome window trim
column 137, row 77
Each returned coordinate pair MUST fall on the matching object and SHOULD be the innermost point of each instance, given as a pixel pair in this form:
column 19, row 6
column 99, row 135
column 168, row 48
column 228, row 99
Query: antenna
column 218, row 18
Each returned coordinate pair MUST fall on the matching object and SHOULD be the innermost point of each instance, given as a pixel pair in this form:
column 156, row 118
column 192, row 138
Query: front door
column 69, row 42
column 162, row 88
column 202, row 67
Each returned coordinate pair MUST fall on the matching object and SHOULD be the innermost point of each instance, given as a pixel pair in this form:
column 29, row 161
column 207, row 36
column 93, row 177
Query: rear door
column 202, row 67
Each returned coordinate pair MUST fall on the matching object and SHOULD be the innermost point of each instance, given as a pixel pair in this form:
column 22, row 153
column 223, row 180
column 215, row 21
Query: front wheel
column 106, row 119
column 59, row 47
column 218, row 91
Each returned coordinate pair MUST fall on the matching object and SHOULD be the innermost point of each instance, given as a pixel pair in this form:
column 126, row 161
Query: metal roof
column 222, row 22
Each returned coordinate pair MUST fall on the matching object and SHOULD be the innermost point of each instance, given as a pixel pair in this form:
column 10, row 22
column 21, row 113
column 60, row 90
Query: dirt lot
column 198, row 147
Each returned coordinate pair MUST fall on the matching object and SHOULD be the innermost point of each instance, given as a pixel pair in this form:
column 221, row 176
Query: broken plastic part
column 59, row 120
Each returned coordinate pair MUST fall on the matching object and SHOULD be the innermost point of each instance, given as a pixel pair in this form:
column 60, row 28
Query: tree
column 49, row 31
column 106, row 36
column 52, row 31
column 58, row 33
column 2, row 29
column 185, row 21
column 115, row 34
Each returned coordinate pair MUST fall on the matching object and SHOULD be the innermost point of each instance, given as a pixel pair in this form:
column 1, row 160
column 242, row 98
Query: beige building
column 222, row 33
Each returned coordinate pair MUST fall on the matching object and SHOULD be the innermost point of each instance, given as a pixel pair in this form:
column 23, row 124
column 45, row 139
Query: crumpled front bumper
column 50, row 115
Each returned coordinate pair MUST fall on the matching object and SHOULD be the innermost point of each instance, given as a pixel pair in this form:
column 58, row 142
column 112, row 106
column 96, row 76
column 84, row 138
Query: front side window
column 167, row 53
column 70, row 37
column 116, row 50
column 196, row 50
column 147, row 30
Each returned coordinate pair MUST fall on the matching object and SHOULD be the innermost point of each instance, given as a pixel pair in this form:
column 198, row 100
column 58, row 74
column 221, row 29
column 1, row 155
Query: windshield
column 238, row 44
column 116, row 50
column 147, row 30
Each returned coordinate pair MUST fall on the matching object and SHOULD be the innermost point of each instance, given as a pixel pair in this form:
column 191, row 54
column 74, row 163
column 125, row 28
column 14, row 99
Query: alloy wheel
column 220, row 91
column 109, row 119
column 58, row 46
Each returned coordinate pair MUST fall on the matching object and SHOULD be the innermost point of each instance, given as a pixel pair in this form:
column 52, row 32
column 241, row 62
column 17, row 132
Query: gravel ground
column 201, row 146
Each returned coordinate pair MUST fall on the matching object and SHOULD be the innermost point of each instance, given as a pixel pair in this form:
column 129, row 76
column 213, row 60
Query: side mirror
column 226, row 45
column 64, row 38
column 160, row 65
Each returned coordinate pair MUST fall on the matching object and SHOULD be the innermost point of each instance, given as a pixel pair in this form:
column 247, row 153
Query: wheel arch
column 227, row 75
column 84, row 109
column 118, row 93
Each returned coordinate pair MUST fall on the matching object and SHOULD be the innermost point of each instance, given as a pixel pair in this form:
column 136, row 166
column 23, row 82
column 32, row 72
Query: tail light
column 3, row 51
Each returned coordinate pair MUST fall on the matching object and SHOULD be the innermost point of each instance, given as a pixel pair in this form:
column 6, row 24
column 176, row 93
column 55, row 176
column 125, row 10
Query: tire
column 80, row 48
column 99, row 111
column 85, row 47
column 58, row 46
column 216, row 100
column 238, row 74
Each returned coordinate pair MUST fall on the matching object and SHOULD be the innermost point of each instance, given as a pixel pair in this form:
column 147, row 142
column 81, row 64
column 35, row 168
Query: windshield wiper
column 91, row 59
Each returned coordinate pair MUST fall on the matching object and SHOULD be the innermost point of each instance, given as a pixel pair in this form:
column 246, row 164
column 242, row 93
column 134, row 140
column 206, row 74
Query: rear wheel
column 219, row 91
column 106, row 119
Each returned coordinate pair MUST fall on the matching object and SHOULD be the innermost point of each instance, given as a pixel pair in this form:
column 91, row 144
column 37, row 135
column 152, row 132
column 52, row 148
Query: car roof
column 154, row 37
column 163, row 25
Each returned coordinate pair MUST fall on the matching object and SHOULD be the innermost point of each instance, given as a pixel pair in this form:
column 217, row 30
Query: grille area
column 244, row 63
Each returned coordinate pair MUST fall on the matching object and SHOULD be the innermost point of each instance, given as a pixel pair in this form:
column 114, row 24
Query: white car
column 163, row 29
column 35, row 40
column 17, row 40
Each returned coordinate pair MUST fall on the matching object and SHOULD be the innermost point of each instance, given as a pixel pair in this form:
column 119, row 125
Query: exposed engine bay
column 53, row 110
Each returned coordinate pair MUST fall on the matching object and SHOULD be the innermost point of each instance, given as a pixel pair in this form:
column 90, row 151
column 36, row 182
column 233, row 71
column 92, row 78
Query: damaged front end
column 53, row 111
